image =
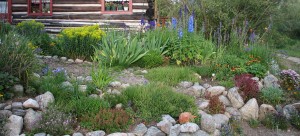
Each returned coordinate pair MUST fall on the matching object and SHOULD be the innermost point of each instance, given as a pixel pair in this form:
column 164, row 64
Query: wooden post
column 9, row 12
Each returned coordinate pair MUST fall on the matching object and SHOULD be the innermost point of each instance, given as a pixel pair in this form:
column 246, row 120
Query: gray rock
column 8, row 107
column 116, row 92
column 266, row 109
column 67, row 85
column 93, row 96
column 124, row 86
column 250, row 110
column 115, row 84
column 206, row 86
column 80, row 79
column 140, row 130
column 82, row 88
column 14, row 125
column 185, row 84
column 63, row 58
column 288, row 110
column 154, row 131
column 36, row 75
column 119, row 106
column 22, row 135
column 217, row 133
column 5, row 113
column 47, row 57
column 197, row 89
column 202, row 104
column 19, row 112
column 198, row 133
column 164, row 126
column 32, row 119
column 30, row 103
column 189, row 128
column 77, row 134
column 220, row 119
column 121, row 134
column 78, row 61
column 17, row 105
column 296, row 105
column 18, row 90
column 70, row 61
column 224, row 100
column 2, row 106
column 89, row 79
column 169, row 118
column 55, row 57
column 271, row 81
column 40, row 134
column 96, row 133
column 225, row 93
column 175, row 130
column 235, row 98
column 44, row 99
column 234, row 112
column 216, row 90
column 207, row 123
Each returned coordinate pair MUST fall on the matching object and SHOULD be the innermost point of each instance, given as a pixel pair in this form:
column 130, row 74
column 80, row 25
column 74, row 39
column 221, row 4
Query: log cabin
column 57, row 14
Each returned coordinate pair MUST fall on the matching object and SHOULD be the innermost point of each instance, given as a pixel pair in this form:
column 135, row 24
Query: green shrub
column 79, row 42
column 150, row 60
column 272, row 96
column 116, row 50
column 4, row 28
column 253, row 123
column 257, row 70
column 203, row 70
column 16, row 57
column 6, row 82
column 295, row 120
column 108, row 120
column 226, row 83
column 171, row 75
column 157, row 41
column 34, row 31
column 274, row 121
column 153, row 100
column 55, row 122
column 100, row 76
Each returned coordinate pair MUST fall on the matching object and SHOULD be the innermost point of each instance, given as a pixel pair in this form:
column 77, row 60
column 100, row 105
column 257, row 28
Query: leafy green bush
column 79, row 42
column 6, row 82
column 272, row 96
column 116, row 50
column 150, row 60
column 34, row 31
column 203, row 70
column 274, row 121
column 4, row 28
column 109, row 120
column 151, row 101
column 55, row 122
column 100, row 75
column 253, row 123
column 257, row 70
column 157, row 40
column 16, row 57
column 295, row 120
column 171, row 75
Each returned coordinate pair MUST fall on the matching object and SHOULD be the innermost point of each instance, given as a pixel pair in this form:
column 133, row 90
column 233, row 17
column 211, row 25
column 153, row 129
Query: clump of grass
column 274, row 121
column 171, row 75
column 272, row 96
column 253, row 123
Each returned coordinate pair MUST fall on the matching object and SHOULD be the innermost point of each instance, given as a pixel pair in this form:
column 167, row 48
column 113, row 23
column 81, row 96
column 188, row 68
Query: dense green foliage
column 150, row 60
column 273, row 96
column 275, row 121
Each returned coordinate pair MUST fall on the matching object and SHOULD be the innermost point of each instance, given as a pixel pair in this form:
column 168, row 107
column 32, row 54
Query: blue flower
column 191, row 24
column 152, row 24
column 180, row 33
column 59, row 70
column 45, row 70
column 143, row 21
column 174, row 23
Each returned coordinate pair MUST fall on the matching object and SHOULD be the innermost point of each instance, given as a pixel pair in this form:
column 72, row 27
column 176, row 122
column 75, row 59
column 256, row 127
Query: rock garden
column 174, row 81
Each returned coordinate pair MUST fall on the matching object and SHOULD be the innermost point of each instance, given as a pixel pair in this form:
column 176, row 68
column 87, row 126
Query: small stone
column 144, row 72
column 36, row 75
column 63, row 58
column 288, row 110
column 207, row 123
column 88, row 63
column 89, row 79
column 47, row 57
column 153, row 131
column 82, row 88
column 164, row 126
column 185, row 84
column 235, row 98
column 5, row 113
column 32, row 119
column 93, row 96
column 140, row 130
column 225, row 93
column 250, row 110
column 78, row 61
column 189, row 128
column 203, row 104
column 2, row 106
column 271, row 81
column 18, row 112
column 216, row 90
column 40, row 134
column 8, row 107
column 77, row 134
column 18, row 90
column 67, row 85
column 55, row 57
column 70, row 61
column 206, row 86
column 17, row 105
column 169, row 118
column 266, row 109
column 22, row 135
column 121, row 134
column 220, row 119
column 96, row 133
column 30, row 103
column 116, row 92
column 175, row 130
column 224, row 100
column 217, row 133
column 115, row 84
column 80, row 79
column 14, row 125
column 119, row 106
column 124, row 86
column 44, row 99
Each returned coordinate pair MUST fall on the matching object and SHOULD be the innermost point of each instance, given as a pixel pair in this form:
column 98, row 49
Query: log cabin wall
column 73, row 13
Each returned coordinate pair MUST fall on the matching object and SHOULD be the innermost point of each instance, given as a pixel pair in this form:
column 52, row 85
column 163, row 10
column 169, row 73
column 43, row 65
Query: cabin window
column 116, row 6
column 40, row 7
column 3, row 6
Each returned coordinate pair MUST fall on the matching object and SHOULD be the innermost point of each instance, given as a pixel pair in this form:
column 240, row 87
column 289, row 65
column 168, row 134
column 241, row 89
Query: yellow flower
column 1, row 95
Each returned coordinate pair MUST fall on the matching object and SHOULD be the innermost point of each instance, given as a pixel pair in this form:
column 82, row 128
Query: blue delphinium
column 143, row 21
column 59, row 70
column 191, row 24
column 180, row 33
column 152, row 24
column 174, row 23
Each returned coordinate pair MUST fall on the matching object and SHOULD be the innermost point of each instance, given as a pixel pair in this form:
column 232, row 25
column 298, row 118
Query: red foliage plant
column 248, row 87
column 215, row 106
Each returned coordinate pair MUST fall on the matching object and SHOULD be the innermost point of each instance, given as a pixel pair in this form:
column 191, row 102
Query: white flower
column 213, row 74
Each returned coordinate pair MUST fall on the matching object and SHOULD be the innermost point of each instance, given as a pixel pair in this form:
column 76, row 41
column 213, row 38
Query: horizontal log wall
column 73, row 13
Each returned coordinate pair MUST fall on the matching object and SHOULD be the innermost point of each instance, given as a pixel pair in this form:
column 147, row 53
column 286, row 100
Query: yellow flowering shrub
column 79, row 42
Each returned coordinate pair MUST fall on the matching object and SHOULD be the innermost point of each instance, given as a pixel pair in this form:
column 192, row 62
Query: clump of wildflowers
column 290, row 80
column 59, row 70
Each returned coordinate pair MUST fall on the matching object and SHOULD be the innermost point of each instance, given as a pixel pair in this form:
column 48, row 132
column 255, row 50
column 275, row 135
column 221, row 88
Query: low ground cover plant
column 247, row 86
column 215, row 106
column 274, row 121
column 151, row 59
column 273, row 96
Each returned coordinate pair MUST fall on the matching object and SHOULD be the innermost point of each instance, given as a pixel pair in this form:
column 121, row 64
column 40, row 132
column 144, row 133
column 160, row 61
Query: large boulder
column 30, row 103
column 14, row 125
column 164, row 126
column 224, row 100
column 154, row 131
column 220, row 119
column 5, row 113
column 195, row 90
column 96, row 133
column 250, row 110
column 289, row 110
column 271, row 81
column 233, row 112
column 32, row 119
column 44, row 99
column 235, row 98
column 140, row 129
column 207, row 123
column 175, row 130
column 216, row 90
column 189, row 128
column 169, row 118
column 266, row 109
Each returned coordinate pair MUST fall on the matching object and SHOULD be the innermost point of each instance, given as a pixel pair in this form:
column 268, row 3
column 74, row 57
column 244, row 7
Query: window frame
column 40, row 8
column 7, row 14
column 116, row 12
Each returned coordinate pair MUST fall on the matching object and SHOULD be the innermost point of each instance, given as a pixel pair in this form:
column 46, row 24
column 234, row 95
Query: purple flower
column 180, row 33
column 191, row 24
column 152, row 24
column 59, row 70
column 143, row 21
column 174, row 23
column 252, row 37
